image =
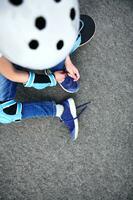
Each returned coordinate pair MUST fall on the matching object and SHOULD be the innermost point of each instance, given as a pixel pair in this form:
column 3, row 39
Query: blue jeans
column 31, row 109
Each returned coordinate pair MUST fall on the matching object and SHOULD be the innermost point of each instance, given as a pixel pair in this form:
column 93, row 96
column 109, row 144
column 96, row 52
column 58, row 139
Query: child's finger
column 74, row 76
column 76, row 79
column 70, row 75
column 77, row 74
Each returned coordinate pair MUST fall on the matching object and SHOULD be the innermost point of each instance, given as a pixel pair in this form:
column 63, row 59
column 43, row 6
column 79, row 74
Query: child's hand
column 72, row 70
column 60, row 76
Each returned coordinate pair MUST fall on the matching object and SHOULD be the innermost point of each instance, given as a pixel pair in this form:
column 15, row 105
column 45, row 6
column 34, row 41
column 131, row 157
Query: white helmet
column 38, row 34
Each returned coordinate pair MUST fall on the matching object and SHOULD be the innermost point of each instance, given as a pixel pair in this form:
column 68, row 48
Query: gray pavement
column 37, row 159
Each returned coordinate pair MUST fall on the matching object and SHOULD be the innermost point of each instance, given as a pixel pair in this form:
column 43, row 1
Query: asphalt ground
column 37, row 159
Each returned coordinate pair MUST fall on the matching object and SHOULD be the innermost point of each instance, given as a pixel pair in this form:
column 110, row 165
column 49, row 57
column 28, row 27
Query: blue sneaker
column 69, row 85
column 69, row 117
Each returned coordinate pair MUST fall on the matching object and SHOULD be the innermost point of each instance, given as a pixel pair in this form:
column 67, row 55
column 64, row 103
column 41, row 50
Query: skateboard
column 87, row 29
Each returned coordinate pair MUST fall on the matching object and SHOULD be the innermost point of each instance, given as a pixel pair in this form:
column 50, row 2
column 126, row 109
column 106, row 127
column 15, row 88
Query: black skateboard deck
column 87, row 29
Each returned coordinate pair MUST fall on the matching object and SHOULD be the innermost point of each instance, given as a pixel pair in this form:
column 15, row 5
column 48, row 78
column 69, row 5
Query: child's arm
column 71, row 69
column 8, row 70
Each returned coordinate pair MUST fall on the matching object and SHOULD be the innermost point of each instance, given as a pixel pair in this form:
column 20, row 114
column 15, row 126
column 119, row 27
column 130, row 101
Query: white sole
column 74, row 114
column 67, row 90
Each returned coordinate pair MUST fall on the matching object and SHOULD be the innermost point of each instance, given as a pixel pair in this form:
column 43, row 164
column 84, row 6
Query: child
column 10, row 76
column 14, row 51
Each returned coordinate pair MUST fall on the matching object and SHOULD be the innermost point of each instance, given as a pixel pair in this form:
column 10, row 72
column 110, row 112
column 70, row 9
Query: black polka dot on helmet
column 40, row 22
column 33, row 44
column 60, row 45
column 16, row 2
column 72, row 13
column 57, row 1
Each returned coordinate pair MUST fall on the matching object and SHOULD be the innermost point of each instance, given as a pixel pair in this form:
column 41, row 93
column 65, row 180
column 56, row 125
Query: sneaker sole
column 68, row 90
column 74, row 114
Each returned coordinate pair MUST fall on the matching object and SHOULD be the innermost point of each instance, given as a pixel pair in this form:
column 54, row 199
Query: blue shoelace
column 83, row 106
